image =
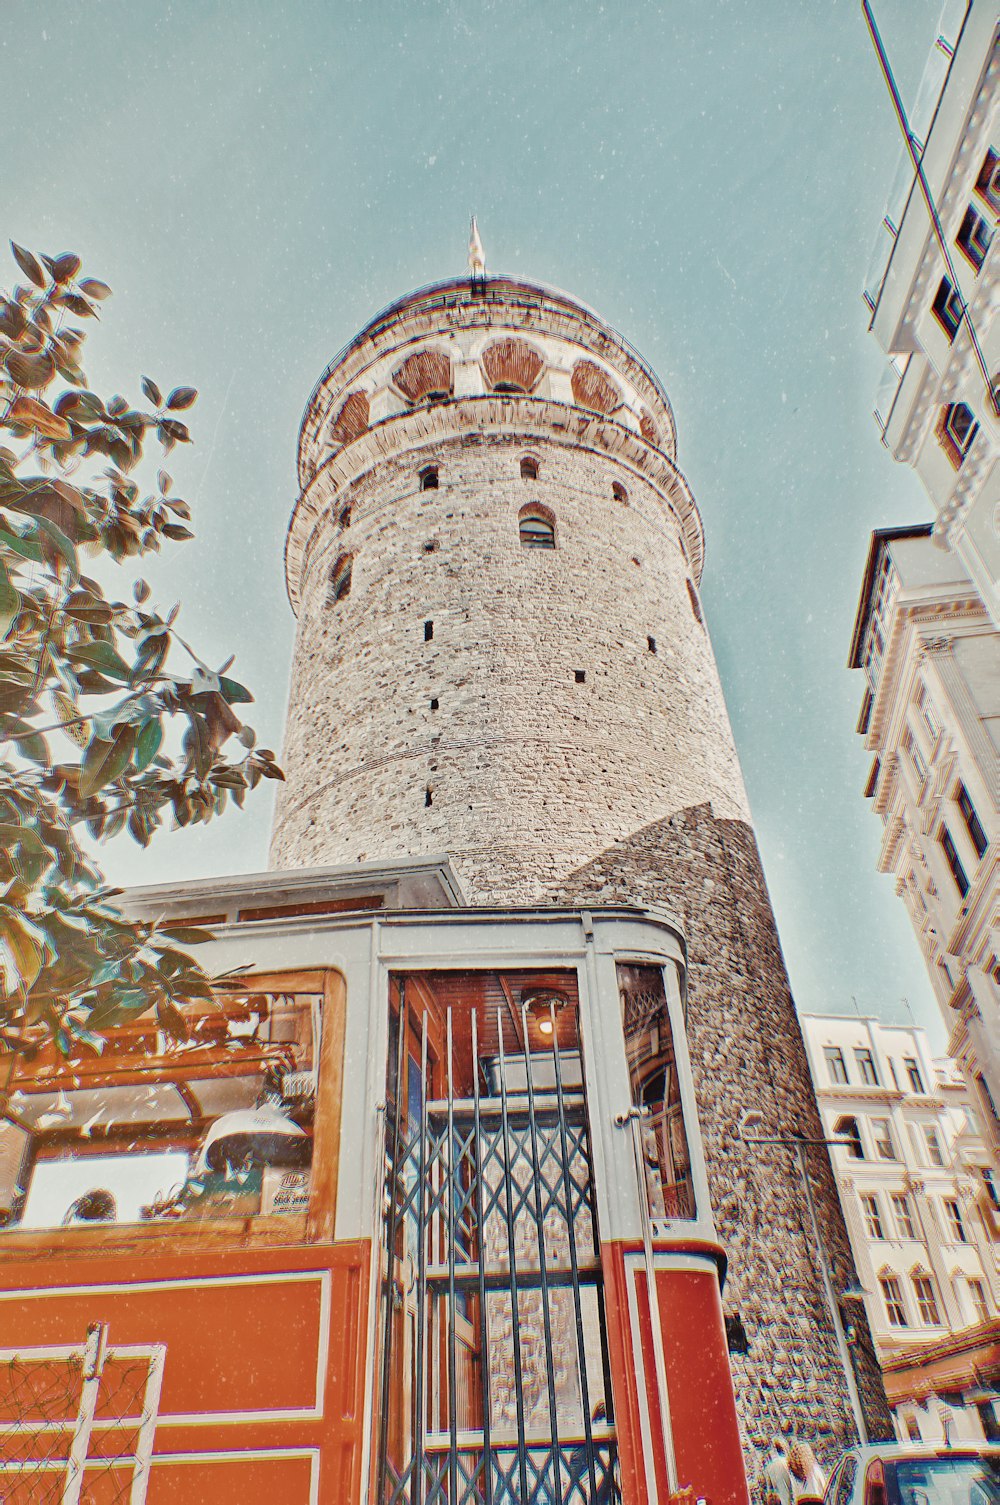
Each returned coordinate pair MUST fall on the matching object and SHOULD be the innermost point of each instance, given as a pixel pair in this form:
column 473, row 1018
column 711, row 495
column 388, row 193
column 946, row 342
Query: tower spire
column 477, row 256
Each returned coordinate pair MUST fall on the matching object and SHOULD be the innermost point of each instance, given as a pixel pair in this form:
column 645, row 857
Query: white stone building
column 931, row 718
column 933, row 291
column 922, row 1205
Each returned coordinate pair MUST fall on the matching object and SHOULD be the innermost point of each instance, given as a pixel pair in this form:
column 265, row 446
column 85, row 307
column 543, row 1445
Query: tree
column 92, row 679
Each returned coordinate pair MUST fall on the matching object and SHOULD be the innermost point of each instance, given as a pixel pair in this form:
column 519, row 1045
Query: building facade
column 465, row 1141
column 931, row 719
column 932, row 295
column 922, row 1204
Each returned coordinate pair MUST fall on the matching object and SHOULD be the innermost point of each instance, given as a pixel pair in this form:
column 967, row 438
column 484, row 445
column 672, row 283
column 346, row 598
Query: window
column 428, row 631
column 987, row 1097
column 848, row 1128
column 529, row 468
column 619, row 493
column 916, row 758
column 903, row 1214
column 835, row 1064
column 873, row 1219
column 954, row 861
column 429, row 478
column 893, row 1301
column 972, row 822
column 913, row 1072
column 885, row 1147
column 652, row 1067
column 977, row 1295
column 957, row 428
column 990, row 1183
column 580, row 676
column 866, row 1065
column 948, row 308
column 651, row 644
column 927, row 1301
column 974, row 236
column 913, row 1432
column 536, row 527
column 339, row 587
column 927, row 713
column 934, row 1154
column 955, row 1224
column 988, row 182
column 988, row 1419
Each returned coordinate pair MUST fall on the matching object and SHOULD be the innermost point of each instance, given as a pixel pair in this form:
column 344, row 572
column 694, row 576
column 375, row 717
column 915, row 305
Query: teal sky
column 256, row 179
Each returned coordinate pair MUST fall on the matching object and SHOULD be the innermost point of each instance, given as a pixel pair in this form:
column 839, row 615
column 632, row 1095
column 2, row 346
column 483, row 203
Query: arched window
column 848, row 1129
column 425, row 376
column 619, row 493
column 529, row 468
column 537, row 527
column 340, row 580
column 957, row 428
column 429, row 478
column 512, row 366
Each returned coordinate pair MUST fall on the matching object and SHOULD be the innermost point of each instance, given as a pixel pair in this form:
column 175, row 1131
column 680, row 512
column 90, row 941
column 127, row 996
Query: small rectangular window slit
column 428, row 631
column 651, row 644
column 434, row 704
column 428, row 797
column 580, row 675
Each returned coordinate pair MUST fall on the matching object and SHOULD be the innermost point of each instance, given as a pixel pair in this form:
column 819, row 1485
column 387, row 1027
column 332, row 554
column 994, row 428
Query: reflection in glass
column 652, row 1067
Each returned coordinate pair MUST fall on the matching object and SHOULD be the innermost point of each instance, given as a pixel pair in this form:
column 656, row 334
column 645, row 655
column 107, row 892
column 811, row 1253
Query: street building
column 454, row 1194
column 930, row 716
column 932, row 294
column 921, row 1200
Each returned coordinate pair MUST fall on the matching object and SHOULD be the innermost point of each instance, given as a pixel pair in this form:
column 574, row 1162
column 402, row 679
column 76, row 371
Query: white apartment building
column 933, row 291
column 930, row 716
column 922, row 1205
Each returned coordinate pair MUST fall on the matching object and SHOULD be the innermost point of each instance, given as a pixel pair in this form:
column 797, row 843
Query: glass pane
column 652, row 1065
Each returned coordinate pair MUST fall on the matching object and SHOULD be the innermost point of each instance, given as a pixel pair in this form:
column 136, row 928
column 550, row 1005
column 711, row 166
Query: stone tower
column 501, row 654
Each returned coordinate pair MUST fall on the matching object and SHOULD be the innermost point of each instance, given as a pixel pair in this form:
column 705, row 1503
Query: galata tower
column 502, row 655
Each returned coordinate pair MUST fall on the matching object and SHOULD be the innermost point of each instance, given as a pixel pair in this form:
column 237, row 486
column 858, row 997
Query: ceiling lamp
column 543, row 1005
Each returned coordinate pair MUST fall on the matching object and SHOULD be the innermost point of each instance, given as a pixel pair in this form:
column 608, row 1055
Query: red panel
column 244, row 1332
column 699, row 1385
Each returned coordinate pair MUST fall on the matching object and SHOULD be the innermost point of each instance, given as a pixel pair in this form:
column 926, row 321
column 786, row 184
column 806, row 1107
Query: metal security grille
column 77, row 1423
column 495, row 1381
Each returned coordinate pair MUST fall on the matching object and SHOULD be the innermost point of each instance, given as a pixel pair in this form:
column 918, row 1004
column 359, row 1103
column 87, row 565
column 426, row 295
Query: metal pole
column 831, row 1301
column 633, row 1117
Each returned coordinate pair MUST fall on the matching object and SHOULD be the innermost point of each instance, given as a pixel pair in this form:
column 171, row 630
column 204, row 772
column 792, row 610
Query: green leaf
column 65, row 267
column 100, row 656
column 63, row 545
column 95, row 289
column 10, row 602
column 21, row 543
column 152, row 391
column 24, row 945
column 198, row 746
column 105, row 761
column 181, row 397
column 147, row 743
column 188, row 935
column 83, row 607
column 29, row 266
column 234, row 692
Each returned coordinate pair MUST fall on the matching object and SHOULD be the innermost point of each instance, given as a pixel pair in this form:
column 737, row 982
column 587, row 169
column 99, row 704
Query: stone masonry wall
column 529, row 772
column 747, row 1053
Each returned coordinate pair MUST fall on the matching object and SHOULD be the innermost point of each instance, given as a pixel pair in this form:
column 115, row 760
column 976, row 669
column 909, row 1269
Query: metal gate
column 495, row 1384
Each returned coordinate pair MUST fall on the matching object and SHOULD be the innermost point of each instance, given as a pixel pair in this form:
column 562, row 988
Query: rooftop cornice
column 532, row 419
